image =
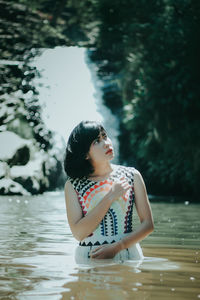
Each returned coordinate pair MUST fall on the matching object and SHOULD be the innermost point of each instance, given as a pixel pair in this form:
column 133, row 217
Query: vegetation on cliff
column 147, row 56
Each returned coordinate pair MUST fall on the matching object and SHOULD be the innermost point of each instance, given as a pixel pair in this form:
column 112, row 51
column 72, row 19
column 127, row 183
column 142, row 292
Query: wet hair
column 75, row 163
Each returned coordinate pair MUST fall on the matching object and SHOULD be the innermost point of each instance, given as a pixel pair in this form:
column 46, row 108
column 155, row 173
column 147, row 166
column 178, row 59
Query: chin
column 112, row 156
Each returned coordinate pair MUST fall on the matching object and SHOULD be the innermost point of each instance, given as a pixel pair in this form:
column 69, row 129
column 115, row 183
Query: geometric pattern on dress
column 118, row 218
column 109, row 226
column 113, row 219
column 129, row 215
column 128, row 219
column 96, row 243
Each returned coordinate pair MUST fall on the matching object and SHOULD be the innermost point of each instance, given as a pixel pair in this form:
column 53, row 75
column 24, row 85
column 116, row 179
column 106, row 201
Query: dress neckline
column 114, row 167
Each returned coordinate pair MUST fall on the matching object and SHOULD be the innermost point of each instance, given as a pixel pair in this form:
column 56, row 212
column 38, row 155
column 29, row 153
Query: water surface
column 37, row 255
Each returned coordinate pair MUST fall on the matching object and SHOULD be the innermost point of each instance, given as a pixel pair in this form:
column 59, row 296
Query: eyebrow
column 99, row 136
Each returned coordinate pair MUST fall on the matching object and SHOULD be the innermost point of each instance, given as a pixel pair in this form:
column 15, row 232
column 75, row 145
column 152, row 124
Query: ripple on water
column 37, row 256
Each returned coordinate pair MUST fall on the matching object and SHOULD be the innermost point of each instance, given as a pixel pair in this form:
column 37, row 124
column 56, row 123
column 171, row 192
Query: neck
column 101, row 169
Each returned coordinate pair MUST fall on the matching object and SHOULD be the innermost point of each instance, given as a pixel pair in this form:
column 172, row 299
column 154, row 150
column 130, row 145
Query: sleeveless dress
column 118, row 221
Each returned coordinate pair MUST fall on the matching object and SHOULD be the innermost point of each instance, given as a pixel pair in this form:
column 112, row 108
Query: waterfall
column 71, row 92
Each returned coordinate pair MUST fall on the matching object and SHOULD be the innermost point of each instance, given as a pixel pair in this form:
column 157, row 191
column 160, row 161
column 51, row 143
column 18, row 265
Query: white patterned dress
column 118, row 221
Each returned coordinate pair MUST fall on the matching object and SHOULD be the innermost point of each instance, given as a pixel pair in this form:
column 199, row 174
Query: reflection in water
column 98, row 282
column 37, row 256
column 118, row 281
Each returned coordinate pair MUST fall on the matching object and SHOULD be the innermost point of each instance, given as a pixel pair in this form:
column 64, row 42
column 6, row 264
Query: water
column 37, row 255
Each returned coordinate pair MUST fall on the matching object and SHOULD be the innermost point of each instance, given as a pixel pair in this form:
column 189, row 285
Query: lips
column 109, row 151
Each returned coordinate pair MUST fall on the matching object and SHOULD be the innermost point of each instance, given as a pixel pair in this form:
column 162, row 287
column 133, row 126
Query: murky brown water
column 37, row 255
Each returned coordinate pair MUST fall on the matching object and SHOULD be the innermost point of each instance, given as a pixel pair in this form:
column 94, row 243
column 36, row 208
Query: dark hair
column 75, row 163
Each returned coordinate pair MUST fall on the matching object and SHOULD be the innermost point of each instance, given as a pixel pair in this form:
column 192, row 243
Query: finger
column 123, row 178
column 96, row 249
column 96, row 255
column 120, row 181
column 126, row 186
column 125, row 182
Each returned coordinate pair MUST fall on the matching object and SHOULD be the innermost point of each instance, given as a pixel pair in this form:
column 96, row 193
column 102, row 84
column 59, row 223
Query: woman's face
column 101, row 149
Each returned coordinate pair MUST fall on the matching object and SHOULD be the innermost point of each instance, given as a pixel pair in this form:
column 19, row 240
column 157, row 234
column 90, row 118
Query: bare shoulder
column 137, row 175
column 138, row 180
column 69, row 190
column 136, row 172
column 68, row 185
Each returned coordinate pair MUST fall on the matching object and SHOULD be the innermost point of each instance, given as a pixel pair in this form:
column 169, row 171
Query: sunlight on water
column 37, row 255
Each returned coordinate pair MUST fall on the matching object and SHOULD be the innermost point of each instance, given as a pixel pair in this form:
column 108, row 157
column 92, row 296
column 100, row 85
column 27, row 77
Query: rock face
column 25, row 168
column 28, row 161
column 147, row 58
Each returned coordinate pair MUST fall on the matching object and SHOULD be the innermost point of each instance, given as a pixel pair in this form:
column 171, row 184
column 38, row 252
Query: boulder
column 22, row 165
column 10, row 143
column 10, row 187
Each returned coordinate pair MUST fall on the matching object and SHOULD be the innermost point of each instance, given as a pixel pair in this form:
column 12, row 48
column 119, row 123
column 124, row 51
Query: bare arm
column 144, row 213
column 145, row 228
column 81, row 226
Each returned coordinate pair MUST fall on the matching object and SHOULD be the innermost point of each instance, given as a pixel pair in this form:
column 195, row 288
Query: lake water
column 37, row 255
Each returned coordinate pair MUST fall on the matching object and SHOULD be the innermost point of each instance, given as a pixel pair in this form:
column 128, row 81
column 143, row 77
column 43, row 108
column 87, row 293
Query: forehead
column 93, row 132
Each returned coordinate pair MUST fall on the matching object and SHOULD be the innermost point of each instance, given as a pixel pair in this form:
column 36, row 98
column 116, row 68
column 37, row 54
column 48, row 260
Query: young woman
column 100, row 198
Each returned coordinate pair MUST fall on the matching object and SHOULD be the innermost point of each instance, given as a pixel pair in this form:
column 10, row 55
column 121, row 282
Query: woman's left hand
column 105, row 251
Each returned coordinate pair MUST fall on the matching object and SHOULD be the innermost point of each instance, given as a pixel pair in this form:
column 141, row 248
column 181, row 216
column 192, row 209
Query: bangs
column 83, row 135
column 92, row 131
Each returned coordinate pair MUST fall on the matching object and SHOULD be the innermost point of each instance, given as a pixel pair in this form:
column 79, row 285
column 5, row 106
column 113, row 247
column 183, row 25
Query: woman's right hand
column 118, row 189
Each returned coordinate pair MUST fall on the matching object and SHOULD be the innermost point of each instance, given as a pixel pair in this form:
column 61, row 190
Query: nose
column 106, row 143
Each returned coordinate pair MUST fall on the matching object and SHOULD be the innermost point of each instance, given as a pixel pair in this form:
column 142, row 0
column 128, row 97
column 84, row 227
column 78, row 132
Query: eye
column 104, row 135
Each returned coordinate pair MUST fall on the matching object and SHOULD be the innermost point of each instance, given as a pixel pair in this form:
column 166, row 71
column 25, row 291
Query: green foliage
column 147, row 56
column 162, row 99
column 24, row 31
